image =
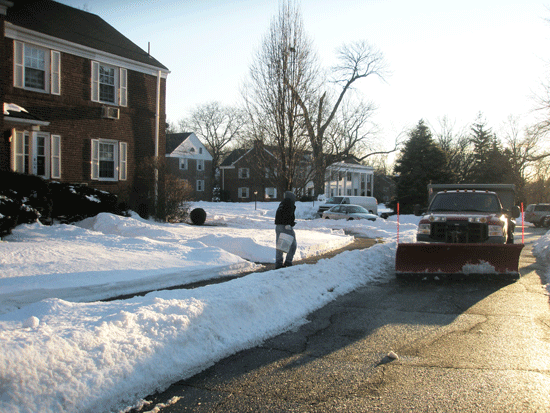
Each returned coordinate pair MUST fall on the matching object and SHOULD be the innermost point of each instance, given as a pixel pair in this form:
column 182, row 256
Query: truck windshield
column 335, row 200
column 465, row 201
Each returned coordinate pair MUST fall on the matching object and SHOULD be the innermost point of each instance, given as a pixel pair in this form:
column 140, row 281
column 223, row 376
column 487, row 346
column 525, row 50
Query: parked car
column 368, row 202
column 534, row 213
column 349, row 212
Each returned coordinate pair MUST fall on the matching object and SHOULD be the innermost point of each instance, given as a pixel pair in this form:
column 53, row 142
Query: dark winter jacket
column 285, row 211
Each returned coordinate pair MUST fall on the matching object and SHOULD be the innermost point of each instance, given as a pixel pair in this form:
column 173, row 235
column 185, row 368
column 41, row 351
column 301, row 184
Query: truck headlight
column 424, row 229
column 495, row 231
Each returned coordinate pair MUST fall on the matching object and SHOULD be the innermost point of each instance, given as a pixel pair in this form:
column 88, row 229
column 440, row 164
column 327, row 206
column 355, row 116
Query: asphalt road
column 462, row 346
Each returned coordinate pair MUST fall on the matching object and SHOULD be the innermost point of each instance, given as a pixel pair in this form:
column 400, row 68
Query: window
column 183, row 164
column 271, row 193
column 36, row 153
column 243, row 193
column 200, row 151
column 200, row 185
column 244, row 173
column 109, row 160
column 109, row 84
column 200, row 164
column 36, row 68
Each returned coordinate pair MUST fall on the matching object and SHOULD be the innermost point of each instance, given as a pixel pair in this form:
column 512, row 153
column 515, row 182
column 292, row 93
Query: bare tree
column 356, row 61
column 524, row 153
column 218, row 126
column 457, row 146
column 285, row 60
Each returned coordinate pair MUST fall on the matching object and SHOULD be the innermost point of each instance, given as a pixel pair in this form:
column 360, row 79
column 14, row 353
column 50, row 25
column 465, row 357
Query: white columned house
column 345, row 179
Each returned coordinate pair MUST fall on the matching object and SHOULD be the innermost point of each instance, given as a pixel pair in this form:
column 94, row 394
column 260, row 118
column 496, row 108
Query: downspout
column 157, row 133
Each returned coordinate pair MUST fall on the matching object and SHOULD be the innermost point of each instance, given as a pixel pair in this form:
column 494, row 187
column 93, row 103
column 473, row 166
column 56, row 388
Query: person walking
column 285, row 220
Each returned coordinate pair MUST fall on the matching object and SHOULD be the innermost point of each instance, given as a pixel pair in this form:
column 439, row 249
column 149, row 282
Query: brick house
column 246, row 171
column 188, row 159
column 78, row 108
column 250, row 174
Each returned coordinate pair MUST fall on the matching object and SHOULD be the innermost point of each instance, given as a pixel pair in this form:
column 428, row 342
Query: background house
column 188, row 159
column 349, row 178
column 77, row 108
column 250, row 174
column 246, row 171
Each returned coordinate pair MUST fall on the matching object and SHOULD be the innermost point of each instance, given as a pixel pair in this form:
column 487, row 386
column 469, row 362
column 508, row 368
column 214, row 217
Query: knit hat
column 290, row 195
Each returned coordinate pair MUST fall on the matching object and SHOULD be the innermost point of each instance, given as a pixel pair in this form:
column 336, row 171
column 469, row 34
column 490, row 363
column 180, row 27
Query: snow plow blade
column 431, row 259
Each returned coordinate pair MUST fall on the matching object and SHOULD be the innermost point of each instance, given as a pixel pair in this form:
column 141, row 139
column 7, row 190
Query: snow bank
column 61, row 354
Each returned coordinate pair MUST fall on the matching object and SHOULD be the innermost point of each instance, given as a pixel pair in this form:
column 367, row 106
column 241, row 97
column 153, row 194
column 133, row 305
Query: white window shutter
column 18, row 64
column 56, row 156
column 123, row 91
column 18, row 152
column 95, row 81
column 95, row 159
column 123, row 161
column 55, row 73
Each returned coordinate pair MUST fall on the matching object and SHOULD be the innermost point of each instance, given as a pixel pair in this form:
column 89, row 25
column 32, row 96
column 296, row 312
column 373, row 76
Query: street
column 470, row 345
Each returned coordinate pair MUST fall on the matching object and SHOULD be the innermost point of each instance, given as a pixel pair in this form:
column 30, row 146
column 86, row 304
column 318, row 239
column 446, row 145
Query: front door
column 40, row 154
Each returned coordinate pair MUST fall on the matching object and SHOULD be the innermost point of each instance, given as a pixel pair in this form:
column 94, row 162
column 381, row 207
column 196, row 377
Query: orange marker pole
column 522, row 226
column 398, row 222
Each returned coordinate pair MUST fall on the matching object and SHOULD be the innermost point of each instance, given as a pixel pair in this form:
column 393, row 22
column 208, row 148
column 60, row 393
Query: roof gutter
column 4, row 6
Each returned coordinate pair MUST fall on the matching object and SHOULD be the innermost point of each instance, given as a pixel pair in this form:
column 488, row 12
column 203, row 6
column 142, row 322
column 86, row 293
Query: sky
column 64, row 352
column 447, row 59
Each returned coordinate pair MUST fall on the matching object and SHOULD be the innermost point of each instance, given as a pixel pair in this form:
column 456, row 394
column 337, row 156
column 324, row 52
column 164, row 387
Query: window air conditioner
column 110, row 113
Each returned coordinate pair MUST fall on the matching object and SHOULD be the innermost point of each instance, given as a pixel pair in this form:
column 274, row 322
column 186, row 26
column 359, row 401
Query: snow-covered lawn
column 62, row 351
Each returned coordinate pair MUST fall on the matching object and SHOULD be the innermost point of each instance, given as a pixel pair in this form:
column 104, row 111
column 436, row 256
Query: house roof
column 77, row 26
column 14, row 113
column 173, row 140
column 234, row 156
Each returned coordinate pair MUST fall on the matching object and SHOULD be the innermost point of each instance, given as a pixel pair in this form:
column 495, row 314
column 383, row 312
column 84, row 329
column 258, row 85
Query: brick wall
column 256, row 161
column 4, row 138
column 191, row 175
column 78, row 120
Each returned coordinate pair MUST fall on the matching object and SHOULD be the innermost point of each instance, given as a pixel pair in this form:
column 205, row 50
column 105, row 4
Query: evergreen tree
column 491, row 164
column 421, row 162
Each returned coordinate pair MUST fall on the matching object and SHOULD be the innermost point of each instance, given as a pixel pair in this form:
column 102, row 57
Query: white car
column 348, row 212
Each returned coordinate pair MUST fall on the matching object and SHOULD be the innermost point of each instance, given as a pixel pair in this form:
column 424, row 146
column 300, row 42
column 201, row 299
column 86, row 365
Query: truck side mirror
column 515, row 211
column 417, row 210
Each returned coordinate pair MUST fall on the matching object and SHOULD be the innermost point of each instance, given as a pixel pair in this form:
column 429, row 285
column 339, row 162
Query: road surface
column 462, row 346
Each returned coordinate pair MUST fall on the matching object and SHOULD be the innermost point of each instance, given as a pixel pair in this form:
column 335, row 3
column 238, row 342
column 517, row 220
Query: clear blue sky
column 447, row 58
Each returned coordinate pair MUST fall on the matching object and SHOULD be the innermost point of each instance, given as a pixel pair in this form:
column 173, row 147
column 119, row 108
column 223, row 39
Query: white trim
column 95, row 81
column 25, row 35
column 122, row 86
column 18, row 152
column 55, row 162
column 18, row 64
column 94, row 160
column 123, row 161
column 55, row 72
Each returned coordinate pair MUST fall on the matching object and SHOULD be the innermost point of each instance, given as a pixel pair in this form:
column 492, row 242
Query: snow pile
column 61, row 353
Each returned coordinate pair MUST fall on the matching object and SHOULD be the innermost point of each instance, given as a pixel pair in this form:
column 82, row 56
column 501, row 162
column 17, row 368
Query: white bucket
column 284, row 242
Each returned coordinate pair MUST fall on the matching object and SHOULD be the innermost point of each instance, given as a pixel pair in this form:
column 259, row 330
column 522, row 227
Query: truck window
column 335, row 200
column 465, row 201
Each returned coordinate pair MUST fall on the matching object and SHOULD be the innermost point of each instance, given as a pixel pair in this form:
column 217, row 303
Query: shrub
column 28, row 198
column 177, row 194
column 198, row 216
